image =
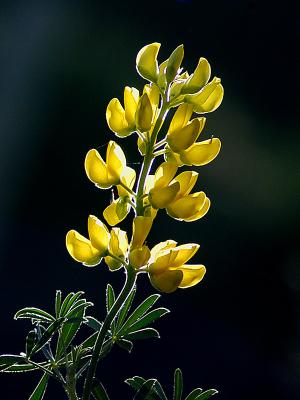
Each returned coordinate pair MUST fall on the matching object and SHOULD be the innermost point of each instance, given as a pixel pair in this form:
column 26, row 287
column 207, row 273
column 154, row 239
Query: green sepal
column 178, row 384
column 174, row 63
column 40, row 389
column 98, row 391
column 34, row 313
column 147, row 333
column 138, row 313
column 207, row 394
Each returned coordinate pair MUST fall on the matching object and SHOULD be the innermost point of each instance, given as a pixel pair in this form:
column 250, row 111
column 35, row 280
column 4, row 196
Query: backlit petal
column 208, row 99
column 181, row 117
column 160, row 198
column 139, row 257
column 115, row 160
column 96, row 169
column 201, row 153
column 187, row 206
column 140, row 229
column 164, row 174
column 166, row 282
column 187, row 181
column 81, row 249
column 192, row 274
column 99, row 234
column 146, row 62
column 131, row 99
column 201, row 212
column 116, row 211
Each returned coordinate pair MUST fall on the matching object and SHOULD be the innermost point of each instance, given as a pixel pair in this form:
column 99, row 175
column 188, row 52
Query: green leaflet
column 146, row 320
column 34, row 313
column 146, row 333
column 40, row 389
column 178, row 384
column 205, row 395
column 194, row 394
column 125, row 309
column 98, row 391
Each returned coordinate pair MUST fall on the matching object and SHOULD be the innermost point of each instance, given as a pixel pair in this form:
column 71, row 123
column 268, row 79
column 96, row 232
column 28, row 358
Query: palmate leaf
column 98, row 391
column 138, row 313
column 34, row 313
column 40, row 389
column 178, row 384
column 146, row 320
column 125, row 309
column 69, row 302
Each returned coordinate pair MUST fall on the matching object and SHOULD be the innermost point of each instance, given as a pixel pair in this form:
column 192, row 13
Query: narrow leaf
column 40, row 389
column 139, row 312
column 47, row 335
column 136, row 382
column 159, row 390
column 146, row 333
column 34, row 313
column 205, row 395
column 125, row 308
column 6, row 360
column 98, row 391
column 30, row 342
column 147, row 319
column 178, row 384
column 146, row 390
column 110, row 297
column 23, row 367
column 194, row 394
column 68, row 333
column 70, row 299
column 93, row 323
column 125, row 344
column 57, row 303
column 77, row 308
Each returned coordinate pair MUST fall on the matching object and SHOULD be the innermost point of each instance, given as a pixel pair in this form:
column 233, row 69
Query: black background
column 61, row 63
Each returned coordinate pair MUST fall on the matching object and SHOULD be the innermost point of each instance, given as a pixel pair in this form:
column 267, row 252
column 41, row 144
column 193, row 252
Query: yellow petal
column 187, row 206
column 183, row 138
column 181, row 117
column 144, row 114
column 161, row 247
column 166, row 282
column 96, row 170
column 146, row 62
column 181, row 254
column 139, row 257
column 164, row 174
column 187, row 181
column 192, row 274
column 115, row 160
column 199, row 78
column 116, row 120
column 81, row 249
column 112, row 263
column 153, row 94
column 200, row 213
column 201, row 153
column 140, row 229
column 118, row 243
column 128, row 179
column 208, row 99
column 131, row 99
column 149, row 184
column 99, row 234
column 174, row 63
column 170, row 156
column 116, row 211
column 162, row 80
column 160, row 198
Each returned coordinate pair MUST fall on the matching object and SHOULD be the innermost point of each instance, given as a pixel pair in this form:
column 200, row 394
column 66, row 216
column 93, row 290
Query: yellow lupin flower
column 163, row 192
column 185, row 206
column 122, row 120
column 199, row 78
column 146, row 62
column 168, row 269
column 119, row 208
column 105, row 174
column 207, row 99
column 118, row 246
column 89, row 251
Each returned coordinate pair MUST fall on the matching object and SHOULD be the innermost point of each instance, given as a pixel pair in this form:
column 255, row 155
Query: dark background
column 61, row 63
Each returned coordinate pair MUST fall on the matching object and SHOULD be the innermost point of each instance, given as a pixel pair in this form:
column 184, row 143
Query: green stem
column 125, row 292
column 148, row 159
column 71, row 384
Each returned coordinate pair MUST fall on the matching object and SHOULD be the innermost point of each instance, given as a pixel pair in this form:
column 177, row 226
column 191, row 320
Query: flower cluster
column 144, row 113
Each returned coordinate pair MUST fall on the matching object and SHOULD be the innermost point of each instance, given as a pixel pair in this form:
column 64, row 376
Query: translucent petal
column 146, row 62
column 115, row 160
column 153, row 94
column 201, row 153
column 112, row 263
column 192, row 274
column 144, row 114
column 208, row 99
column 183, row 138
column 139, row 257
column 201, row 212
column 160, row 198
column 187, row 181
column 140, row 229
column 181, row 117
column 81, row 249
column 128, row 178
column 116, row 212
column 118, row 244
column 181, row 254
column 99, row 234
column 96, row 169
column 199, row 78
column 187, row 206
column 164, row 174
column 116, row 120
column 166, row 282
column 131, row 99
column 161, row 247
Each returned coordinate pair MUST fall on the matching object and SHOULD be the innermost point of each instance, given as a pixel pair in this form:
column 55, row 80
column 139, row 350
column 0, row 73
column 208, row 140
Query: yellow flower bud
column 199, row 78
column 144, row 114
column 201, row 153
column 207, row 99
column 139, row 257
column 174, row 63
column 122, row 121
column 146, row 62
column 104, row 175
column 118, row 246
column 89, row 252
column 140, row 229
